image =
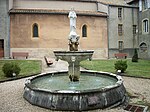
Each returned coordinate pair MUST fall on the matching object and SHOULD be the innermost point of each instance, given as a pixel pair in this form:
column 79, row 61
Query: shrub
column 10, row 68
column 135, row 56
column 121, row 65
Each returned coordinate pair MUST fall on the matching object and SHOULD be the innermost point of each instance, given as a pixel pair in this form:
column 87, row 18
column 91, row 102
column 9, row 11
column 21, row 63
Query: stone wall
column 144, row 37
column 4, row 26
column 129, row 18
column 53, row 34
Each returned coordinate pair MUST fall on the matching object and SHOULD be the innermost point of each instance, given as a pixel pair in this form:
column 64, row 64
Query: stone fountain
column 75, row 90
column 73, row 57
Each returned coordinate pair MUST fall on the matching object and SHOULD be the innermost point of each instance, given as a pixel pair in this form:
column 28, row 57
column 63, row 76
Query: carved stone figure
column 73, row 37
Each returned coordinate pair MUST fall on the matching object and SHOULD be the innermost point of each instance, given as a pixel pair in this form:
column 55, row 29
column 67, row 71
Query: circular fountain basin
column 95, row 90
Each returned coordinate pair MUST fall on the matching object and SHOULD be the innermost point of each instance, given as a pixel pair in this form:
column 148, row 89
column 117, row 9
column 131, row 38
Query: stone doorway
column 1, row 48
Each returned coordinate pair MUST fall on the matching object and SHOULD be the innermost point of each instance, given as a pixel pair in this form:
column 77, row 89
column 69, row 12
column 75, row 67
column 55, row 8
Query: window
column 120, row 30
column 120, row 45
column 84, row 31
column 145, row 4
column 35, row 30
column 119, row 12
column 143, row 47
column 148, row 4
column 1, row 44
column 134, row 29
column 145, row 26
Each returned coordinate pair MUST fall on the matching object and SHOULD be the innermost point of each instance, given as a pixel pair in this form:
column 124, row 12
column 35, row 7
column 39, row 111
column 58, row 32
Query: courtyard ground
column 11, row 92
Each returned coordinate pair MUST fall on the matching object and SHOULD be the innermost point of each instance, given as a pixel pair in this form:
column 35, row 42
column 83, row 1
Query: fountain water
column 84, row 91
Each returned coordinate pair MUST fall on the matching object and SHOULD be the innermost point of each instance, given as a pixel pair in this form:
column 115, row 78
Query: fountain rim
column 117, row 84
column 80, row 51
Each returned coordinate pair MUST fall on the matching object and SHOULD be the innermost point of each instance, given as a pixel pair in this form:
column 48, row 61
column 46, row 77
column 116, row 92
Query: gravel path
column 11, row 93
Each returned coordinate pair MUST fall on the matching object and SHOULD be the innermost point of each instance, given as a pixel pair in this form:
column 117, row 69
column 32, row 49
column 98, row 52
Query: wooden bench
column 120, row 55
column 48, row 61
column 20, row 54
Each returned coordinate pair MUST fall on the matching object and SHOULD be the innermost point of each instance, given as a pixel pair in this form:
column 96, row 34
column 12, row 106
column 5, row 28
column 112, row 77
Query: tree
column 135, row 56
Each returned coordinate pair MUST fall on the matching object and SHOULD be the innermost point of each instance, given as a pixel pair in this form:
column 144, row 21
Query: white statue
column 72, row 16
column 73, row 37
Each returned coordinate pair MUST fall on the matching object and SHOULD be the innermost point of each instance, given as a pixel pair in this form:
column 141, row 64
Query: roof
column 114, row 2
column 46, row 11
column 108, row 2
column 131, row 1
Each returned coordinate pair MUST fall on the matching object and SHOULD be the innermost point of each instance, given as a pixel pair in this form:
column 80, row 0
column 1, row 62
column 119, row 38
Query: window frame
column 145, row 26
column 120, row 10
column 120, row 45
column 1, row 44
column 143, row 47
column 35, row 34
column 145, row 4
column 84, row 30
column 120, row 29
column 134, row 29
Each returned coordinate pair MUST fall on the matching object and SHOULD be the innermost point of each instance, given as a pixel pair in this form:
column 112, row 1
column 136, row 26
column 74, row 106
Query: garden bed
column 28, row 68
column 135, row 69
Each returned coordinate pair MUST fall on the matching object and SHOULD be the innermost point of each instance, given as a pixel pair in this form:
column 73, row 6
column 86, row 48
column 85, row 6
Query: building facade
column 123, row 36
column 105, row 26
column 122, row 26
column 4, row 29
column 43, row 27
column 144, row 27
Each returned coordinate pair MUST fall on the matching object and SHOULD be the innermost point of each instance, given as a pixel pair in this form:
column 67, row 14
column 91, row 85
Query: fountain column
column 74, row 69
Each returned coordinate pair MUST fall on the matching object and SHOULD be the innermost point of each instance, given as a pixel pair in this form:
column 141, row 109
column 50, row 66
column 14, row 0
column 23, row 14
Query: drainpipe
column 8, row 29
column 132, row 27
column 8, row 36
column 138, row 36
column 97, row 6
column 108, row 30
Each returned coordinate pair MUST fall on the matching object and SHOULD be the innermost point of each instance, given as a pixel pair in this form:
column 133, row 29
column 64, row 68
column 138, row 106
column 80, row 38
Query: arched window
column 143, row 47
column 84, row 31
column 35, row 30
column 145, row 26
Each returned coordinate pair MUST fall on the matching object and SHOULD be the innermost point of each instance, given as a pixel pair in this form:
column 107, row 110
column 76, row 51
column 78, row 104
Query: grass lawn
column 139, row 69
column 28, row 67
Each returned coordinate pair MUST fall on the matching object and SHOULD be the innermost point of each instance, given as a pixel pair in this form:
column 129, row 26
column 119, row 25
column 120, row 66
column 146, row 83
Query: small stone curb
column 16, row 78
column 134, row 76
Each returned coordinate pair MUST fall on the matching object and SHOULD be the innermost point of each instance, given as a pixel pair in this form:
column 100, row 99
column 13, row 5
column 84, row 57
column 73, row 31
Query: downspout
column 108, row 30
column 139, row 16
column 132, row 28
column 8, row 35
column 138, row 36
column 97, row 6
column 8, row 29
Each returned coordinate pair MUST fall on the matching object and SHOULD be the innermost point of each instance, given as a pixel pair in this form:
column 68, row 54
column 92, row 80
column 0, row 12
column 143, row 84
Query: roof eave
column 56, row 13
column 123, row 6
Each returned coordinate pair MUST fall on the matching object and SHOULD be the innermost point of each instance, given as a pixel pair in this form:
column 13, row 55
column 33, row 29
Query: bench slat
column 48, row 61
column 120, row 55
column 20, row 54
